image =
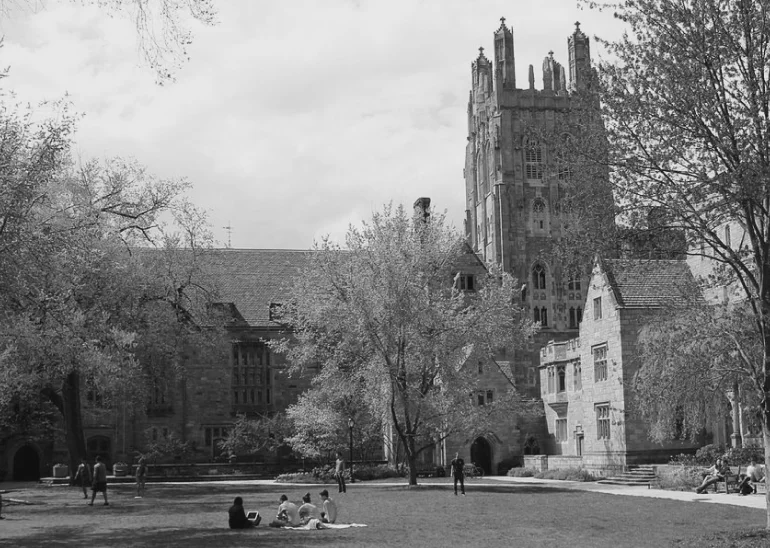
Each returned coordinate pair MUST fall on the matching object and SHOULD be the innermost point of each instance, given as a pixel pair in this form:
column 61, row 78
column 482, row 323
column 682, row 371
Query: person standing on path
column 458, row 472
column 83, row 477
column 141, row 477
column 100, row 481
column 339, row 472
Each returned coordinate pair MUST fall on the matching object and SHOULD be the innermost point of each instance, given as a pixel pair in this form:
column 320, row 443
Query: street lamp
column 350, row 428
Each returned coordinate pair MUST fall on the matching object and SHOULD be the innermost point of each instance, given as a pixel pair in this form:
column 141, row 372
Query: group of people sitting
column 721, row 469
column 289, row 514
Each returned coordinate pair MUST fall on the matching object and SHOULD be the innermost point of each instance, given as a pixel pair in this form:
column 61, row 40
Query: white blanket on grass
column 318, row 524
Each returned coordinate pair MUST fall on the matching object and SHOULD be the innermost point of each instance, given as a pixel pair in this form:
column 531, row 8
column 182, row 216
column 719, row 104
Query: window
column 480, row 399
column 544, row 317
column 602, row 421
column 249, row 362
column 465, row 282
column 600, row 363
column 598, row 308
column 560, row 429
column 561, row 377
column 538, row 277
column 577, row 375
column 573, row 284
column 575, row 316
column 538, row 214
column 533, row 159
column 214, row 433
column 481, row 367
column 490, row 397
column 551, row 380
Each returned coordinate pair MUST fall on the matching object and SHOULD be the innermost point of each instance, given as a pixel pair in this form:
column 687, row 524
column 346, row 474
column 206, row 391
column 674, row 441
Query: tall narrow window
column 602, row 421
column 544, row 316
column 533, row 159
column 600, row 363
column 728, row 243
column 538, row 277
column 577, row 375
column 572, row 318
column 561, row 378
column 538, row 214
column 598, row 308
column 560, row 430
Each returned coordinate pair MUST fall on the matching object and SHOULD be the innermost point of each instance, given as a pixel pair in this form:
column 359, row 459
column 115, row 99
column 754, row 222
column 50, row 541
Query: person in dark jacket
column 237, row 516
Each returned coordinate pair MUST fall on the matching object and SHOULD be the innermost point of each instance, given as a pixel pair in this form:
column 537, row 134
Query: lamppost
column 350, row 429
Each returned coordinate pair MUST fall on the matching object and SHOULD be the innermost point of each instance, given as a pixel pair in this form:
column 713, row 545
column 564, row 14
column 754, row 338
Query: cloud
column 292, row 119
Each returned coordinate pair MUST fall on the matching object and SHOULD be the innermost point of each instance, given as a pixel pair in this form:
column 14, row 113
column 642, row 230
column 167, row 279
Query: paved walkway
column 750, row 501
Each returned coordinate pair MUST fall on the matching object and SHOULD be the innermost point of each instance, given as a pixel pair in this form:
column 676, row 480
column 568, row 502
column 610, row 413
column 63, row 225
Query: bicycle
column 473, row 471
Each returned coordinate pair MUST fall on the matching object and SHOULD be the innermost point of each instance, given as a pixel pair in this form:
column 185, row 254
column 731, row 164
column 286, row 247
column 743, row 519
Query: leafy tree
column 384, row 314
column 78, row 304
column 686, row 101
column 251, row 436
column 320, row 420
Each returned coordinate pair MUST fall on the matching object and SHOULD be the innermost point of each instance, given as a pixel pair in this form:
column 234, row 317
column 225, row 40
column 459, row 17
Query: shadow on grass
column 191, row 537
column 752, row 538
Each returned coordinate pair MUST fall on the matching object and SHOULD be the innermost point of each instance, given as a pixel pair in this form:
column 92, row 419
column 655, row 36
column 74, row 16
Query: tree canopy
column 388, row 314
column 686, row 101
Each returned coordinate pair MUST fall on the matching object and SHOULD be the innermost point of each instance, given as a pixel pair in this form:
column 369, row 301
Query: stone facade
column 586, row 382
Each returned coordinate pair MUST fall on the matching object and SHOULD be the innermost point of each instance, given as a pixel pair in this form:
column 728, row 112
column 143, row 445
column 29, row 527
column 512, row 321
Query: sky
column 292, row 120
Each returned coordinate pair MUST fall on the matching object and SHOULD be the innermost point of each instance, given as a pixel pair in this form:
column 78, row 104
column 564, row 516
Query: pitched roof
column 252, row 279
column 646, row 283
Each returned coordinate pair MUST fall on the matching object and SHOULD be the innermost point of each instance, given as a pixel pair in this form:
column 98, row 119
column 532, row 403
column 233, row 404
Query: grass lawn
column 427, row 516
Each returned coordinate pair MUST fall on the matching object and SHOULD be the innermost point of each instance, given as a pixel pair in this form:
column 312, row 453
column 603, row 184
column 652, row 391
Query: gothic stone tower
column 514, row 183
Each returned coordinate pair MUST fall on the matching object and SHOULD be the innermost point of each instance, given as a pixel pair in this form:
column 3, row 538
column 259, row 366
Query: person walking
column 83, row 477
column 339, row 473
column 100, row 481
column 458, row 472
column 141, row 477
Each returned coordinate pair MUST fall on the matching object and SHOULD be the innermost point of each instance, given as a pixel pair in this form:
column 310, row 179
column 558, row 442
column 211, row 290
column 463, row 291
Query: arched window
column 538, row 214
column 538, row 277
column 533, row 159
column 544, row 316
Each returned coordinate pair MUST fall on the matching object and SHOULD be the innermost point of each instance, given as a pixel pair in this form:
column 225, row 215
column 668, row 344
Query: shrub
column 708, row 454
column 325, row 474
column 567, row 474
column 372, row 472
column 684, row 459
column 680, row 478
column 520, row 472
column 743, row 455
column 506, row 464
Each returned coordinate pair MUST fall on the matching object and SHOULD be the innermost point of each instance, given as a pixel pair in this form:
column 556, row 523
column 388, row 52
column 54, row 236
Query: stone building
column 515, row 182
column 586, row 382
column 203, row 405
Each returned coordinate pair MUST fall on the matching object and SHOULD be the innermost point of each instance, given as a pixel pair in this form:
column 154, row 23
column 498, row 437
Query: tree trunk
column 73, row 421
column 411, row 458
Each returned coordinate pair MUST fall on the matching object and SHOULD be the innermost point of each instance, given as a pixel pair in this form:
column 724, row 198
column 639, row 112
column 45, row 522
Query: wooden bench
column 730, row 480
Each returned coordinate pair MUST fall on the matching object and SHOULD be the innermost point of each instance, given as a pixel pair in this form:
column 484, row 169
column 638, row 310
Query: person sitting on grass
column 753, row 475
column 329, row 514
column 308, row 511
column 714, row 474
column 237, row 516
column 288, row 515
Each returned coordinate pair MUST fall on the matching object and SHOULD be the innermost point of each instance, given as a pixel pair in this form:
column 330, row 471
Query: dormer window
column 465, row 282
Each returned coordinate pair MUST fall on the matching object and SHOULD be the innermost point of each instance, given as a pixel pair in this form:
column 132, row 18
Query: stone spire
column 505, row 63
column 579, row 59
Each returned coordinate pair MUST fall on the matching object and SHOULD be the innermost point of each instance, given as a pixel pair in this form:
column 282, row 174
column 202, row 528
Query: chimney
column 422, row 209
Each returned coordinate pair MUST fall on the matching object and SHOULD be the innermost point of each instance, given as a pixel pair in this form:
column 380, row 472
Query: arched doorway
column 481, row 455
column 100, row 446
column 26, row 464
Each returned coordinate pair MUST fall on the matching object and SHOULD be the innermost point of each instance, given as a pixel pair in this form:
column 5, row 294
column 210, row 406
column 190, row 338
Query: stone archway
column 26, row 464
column 481, row 454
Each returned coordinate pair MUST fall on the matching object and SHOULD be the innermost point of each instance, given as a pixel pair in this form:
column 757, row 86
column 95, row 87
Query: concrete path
column 749, row 501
